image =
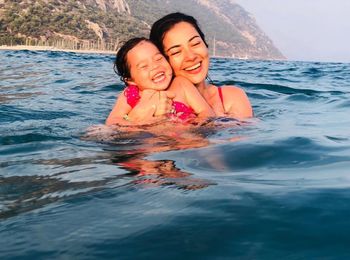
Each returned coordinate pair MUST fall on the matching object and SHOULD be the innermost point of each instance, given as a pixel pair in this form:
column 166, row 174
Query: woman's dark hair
column 121, row 66
column 164, row 24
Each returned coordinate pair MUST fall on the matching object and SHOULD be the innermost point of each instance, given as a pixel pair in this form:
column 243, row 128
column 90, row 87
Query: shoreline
column 50, row 48
column 93, row 51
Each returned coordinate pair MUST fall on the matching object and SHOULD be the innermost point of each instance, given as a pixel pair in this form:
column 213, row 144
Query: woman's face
column 148, row 67
column 187, row 52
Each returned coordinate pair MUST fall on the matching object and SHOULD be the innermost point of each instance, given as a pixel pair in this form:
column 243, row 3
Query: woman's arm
column 236, row 102
column 193, row 98
column 152, row 107
column 165, row 102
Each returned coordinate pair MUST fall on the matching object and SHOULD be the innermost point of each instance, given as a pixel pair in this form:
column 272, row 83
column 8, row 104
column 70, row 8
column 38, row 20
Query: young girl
column 150, row 81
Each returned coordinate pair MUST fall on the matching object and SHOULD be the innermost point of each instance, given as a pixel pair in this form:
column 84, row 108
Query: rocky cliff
column 230, row 30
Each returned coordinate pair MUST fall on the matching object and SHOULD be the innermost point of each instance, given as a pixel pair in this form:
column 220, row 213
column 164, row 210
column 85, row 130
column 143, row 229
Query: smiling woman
column 187, row 52
column 181, row 40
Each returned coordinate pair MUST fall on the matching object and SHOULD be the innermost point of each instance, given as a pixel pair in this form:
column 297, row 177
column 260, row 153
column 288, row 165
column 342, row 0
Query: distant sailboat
column 214, row 47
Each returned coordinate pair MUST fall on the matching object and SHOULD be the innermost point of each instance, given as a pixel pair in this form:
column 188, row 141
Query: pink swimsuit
column 180, row 110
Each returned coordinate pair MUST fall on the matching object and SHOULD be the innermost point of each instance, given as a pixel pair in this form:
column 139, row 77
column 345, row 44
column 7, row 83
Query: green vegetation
column 83, row 24
column 39, row 20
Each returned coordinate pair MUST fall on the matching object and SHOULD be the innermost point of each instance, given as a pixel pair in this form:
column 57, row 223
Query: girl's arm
column 120, row 109
column 193, row 98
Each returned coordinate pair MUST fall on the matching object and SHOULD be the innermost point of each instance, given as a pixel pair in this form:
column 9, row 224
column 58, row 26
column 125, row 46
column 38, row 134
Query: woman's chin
column 195, row 79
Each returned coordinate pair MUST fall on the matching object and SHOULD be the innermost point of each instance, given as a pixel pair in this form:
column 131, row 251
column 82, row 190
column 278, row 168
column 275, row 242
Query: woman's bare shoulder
column 227, row 91
column 232, row 89
column 236, row 101
column 181, row 80
column 180, row 83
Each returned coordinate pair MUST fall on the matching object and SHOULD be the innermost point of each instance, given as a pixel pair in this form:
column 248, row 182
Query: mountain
column 104, row 24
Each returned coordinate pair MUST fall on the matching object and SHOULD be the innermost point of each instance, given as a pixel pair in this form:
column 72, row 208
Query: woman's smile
column 194, row 69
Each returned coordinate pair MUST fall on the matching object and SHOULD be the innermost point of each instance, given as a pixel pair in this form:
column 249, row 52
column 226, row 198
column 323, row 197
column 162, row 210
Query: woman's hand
column 152, row 104
column 146, row 106
column 164, row 104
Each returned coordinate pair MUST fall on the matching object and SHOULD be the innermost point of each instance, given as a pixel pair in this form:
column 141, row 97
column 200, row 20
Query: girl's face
column 148, row 67
column 187, row 52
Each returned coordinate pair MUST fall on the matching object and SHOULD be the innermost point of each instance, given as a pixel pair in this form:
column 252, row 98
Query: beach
column 50, row 48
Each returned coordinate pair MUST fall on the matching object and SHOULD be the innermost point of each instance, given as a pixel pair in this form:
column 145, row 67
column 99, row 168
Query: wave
column 28, row 138
column 291, row 136
column 288, row 153
column 281, row 89
column 9, row 113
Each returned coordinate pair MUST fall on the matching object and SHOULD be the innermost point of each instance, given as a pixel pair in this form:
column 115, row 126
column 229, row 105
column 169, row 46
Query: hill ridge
column 104, row 24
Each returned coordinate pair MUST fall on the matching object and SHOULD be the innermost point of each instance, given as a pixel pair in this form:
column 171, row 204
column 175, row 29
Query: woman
column 180, row 39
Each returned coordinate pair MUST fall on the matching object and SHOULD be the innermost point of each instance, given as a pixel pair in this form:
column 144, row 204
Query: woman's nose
column 189, row 54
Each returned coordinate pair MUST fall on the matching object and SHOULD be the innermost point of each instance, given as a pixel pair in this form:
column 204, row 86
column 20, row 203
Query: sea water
column 274, row 186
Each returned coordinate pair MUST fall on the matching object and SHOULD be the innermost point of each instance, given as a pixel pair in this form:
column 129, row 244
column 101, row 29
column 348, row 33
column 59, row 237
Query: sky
column 307, row 30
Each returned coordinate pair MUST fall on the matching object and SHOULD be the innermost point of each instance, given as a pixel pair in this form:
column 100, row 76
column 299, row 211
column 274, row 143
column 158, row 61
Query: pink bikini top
column 179, row 109
column 220, row 95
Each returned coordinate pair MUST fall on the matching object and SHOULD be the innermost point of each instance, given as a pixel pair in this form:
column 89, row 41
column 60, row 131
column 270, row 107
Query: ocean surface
column 274, row 186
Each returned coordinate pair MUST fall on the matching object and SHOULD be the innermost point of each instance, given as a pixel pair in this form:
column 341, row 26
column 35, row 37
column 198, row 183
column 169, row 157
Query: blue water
column 274, row 186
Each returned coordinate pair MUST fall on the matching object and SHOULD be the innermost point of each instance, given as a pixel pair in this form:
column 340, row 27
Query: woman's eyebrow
column 178, row 45
column 196, row 36
column 172, row 47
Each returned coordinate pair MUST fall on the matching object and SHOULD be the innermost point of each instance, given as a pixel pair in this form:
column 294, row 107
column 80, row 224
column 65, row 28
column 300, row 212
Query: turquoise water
column 274, row 186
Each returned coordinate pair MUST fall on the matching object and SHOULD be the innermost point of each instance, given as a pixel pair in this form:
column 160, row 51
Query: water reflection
column 113, row 158
column 121, row 164
column 147, row 140
column 131, row 149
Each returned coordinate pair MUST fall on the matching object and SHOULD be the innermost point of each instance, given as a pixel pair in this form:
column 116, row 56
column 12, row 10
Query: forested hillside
column 104, row 24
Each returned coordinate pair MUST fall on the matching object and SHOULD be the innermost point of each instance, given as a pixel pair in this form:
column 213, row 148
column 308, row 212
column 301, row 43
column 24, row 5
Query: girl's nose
column 155, row 65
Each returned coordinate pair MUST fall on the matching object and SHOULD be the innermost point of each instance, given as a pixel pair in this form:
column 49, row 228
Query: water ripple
column 240, row 179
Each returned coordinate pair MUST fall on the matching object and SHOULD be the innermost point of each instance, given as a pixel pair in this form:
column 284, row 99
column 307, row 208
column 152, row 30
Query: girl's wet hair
column 164, row 24
column 121, row 65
